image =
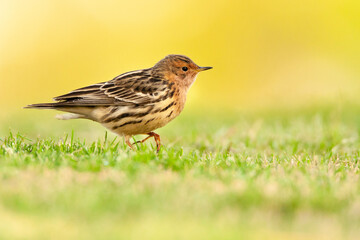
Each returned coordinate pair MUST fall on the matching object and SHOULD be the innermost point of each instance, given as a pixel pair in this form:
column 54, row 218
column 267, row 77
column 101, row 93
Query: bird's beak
column 200, row 69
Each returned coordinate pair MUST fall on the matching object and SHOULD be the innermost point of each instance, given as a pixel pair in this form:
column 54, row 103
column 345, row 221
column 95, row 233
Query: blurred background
column 265, row 54
column 281, row 160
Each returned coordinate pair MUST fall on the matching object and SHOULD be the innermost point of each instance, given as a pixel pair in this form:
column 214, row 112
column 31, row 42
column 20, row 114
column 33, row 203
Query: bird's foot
column 127, row 141
column 156, row 137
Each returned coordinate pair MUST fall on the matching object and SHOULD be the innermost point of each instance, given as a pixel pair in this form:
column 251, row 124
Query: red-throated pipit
column 132, row 103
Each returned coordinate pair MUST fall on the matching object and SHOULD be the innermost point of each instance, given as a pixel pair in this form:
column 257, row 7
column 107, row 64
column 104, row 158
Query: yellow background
column 264, row 53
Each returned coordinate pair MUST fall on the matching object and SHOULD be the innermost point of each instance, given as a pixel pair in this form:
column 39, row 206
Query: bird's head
column 179, row 68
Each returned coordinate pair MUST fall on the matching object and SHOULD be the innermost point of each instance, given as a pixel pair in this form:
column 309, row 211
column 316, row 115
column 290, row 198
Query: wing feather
column 136, row 87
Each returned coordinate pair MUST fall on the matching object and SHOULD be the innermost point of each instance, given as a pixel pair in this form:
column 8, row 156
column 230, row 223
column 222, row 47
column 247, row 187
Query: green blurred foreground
column 219, row 176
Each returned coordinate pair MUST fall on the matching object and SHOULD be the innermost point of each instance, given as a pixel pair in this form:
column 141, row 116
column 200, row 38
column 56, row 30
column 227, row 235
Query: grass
column 274, row 175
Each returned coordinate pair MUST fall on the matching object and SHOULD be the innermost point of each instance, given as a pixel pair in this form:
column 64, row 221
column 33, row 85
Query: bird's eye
column 184, row 69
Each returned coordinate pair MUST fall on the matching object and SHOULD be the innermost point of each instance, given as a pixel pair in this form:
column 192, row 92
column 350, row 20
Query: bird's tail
column 73, row 112
column 44, row 106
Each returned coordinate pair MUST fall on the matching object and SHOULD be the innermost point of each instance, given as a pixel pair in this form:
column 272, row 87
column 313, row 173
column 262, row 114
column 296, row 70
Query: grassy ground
column 275, row 175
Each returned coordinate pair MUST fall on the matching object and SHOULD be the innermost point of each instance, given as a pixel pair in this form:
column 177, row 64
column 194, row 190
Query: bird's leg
column 156, row 137
column 143, row 139
column 157, row 140
column 127, row 141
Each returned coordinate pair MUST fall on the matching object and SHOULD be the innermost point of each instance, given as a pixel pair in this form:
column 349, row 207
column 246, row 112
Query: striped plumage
column 136, row 102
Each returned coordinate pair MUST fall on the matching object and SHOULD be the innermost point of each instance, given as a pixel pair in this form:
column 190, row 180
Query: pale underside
column 137, row 125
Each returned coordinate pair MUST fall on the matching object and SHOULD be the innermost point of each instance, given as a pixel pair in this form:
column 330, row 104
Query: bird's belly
column 122, row 121
column 141, row 125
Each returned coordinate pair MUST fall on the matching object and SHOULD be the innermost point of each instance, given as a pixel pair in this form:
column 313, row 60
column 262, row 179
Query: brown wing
column 137, row 87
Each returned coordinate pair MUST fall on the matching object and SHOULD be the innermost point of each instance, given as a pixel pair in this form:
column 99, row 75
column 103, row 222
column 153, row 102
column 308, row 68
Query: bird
column 135, row 102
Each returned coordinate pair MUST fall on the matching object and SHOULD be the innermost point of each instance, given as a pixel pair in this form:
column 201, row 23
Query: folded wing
column 137, row 87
